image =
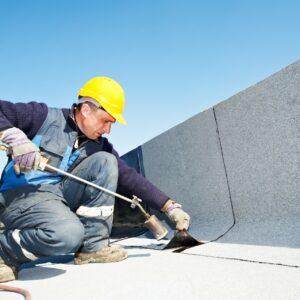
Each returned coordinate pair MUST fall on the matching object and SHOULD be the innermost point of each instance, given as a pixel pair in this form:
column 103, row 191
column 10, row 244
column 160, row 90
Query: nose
column 107, row 128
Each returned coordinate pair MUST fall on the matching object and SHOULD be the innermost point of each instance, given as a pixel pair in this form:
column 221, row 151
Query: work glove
column 178, row 216
column 25, row 154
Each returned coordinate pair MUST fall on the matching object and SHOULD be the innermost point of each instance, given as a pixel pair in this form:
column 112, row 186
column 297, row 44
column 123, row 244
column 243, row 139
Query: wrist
column 3, row 132
column 170, row 205
column 166, row 205
column 14, row 136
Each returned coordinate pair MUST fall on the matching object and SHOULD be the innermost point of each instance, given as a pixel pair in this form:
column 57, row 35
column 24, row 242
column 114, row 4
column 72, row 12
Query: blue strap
column 64, row 163
column 72, row 158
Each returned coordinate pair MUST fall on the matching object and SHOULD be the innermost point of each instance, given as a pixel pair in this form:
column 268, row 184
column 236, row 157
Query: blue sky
column 173, row 58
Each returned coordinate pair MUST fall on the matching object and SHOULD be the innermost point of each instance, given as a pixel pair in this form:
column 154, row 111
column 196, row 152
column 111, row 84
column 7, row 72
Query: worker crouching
column 46, row 214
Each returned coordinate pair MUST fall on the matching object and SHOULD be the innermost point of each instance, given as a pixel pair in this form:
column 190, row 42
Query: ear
column 85, row 110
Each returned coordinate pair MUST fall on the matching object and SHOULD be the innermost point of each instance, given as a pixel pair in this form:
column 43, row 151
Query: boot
column 107, row 254
column 7, row 273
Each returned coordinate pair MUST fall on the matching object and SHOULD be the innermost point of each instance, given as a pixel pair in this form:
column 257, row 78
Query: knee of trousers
column 105, row 162
column 66, row 237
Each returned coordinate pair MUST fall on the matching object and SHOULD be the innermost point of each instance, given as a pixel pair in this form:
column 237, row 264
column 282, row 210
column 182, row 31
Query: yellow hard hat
column 108, row 93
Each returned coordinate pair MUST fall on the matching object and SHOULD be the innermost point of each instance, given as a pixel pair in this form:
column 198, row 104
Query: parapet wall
column 235, row 167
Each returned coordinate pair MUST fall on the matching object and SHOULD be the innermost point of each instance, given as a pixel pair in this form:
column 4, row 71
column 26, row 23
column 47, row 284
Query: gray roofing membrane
column 237, row 164
column 186, row 162
column 196, row 179
column 259, row 132
column 235, row 169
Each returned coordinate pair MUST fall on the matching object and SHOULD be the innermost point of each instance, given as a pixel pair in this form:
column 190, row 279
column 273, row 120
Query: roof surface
column 152, row 274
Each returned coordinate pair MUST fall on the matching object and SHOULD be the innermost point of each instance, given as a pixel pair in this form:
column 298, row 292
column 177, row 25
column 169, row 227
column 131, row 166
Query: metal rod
column 87, row 182
column 43, row 165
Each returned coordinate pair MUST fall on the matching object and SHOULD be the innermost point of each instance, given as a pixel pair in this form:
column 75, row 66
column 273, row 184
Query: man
column 45, row 214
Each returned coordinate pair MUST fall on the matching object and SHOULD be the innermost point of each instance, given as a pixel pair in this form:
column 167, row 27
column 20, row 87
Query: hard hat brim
column 120, row 119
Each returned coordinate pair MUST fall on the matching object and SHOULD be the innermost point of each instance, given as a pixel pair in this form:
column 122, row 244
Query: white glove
column 25, row 154
column 178, row 216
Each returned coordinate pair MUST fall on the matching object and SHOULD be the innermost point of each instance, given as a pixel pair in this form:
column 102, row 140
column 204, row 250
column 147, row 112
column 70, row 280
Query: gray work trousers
column 47, row 220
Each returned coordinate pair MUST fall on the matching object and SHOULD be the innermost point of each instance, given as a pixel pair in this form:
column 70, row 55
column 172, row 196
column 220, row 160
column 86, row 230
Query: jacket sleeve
column 28, row 117
column 133, row 183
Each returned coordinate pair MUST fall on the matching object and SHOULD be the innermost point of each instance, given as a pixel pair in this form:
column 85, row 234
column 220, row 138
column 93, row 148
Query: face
column 94, row 122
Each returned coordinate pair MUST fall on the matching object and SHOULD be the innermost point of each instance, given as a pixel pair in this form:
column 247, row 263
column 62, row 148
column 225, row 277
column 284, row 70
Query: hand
column 25, row 154
column 178, row 216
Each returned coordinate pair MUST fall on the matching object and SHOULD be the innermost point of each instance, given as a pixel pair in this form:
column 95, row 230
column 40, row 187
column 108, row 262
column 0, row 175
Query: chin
column 91, row 137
